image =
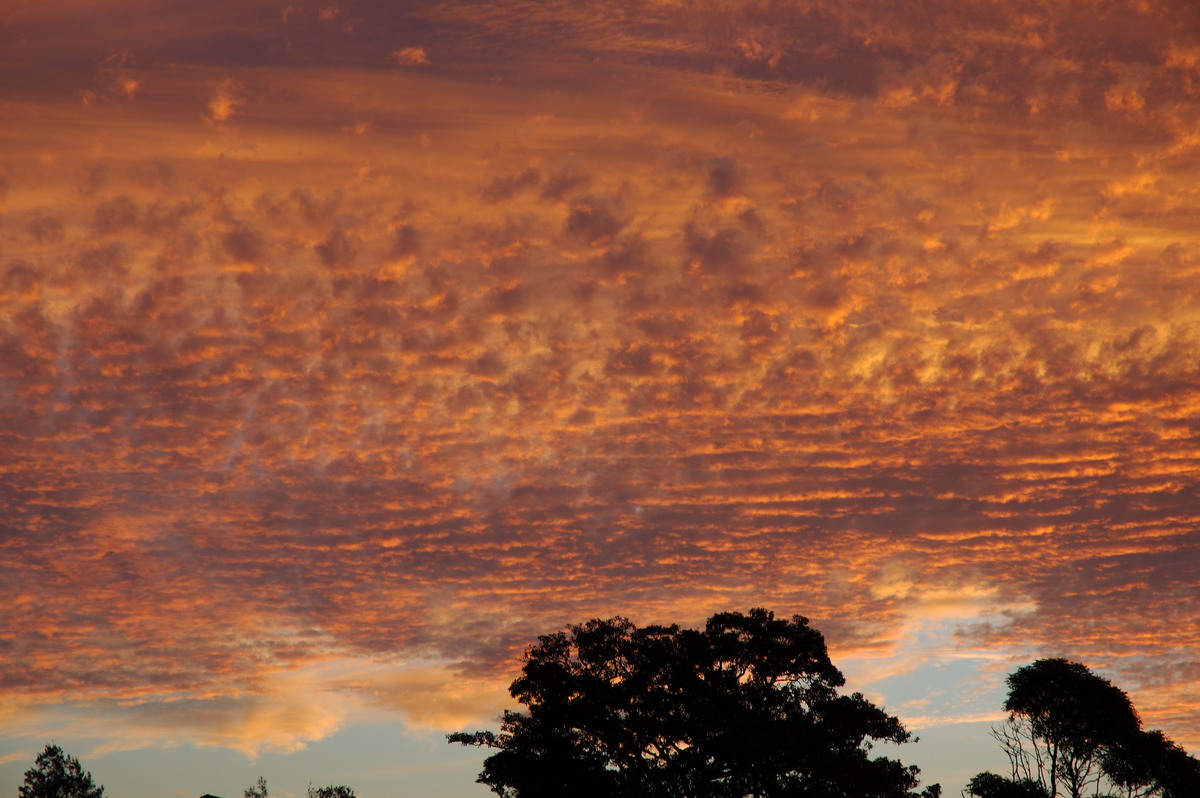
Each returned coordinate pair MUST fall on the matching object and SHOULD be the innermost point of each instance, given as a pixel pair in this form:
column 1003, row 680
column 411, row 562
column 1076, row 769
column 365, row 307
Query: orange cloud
column 411, row 56
column 696, row 318
column 226, row 100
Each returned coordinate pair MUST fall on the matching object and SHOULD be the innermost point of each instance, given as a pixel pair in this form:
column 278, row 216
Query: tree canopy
column 340, row 791
column 989, row 785
column 56, row 774
column 1071, row 732
column 747, row 706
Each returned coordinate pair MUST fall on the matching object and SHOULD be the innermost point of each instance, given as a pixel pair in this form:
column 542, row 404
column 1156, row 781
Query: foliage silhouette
column 330, row 792
column 1073, row 733
column 259, row 790
column 1150, row 764
column 56, row 774
column 989, row 785
column 748, row 706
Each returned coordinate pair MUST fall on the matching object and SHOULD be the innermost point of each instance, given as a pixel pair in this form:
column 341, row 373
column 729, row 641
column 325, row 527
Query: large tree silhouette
column 748, row 706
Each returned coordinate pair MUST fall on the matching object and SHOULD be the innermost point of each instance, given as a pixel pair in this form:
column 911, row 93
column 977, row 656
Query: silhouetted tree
column 1061, row 719
column 259, row 790
column 1150, row 764
column 1073, row 733
column 1176, row 771
column 989, row 785
column 55, row 774
column 330, row 792
column 748, row 706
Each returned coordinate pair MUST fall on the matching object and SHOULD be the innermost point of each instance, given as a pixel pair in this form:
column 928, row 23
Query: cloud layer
column 336, row 333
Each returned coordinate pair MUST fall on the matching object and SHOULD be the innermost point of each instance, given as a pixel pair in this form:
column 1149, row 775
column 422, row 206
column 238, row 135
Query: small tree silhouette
column 55, row 774
column 259, row 790
column 331, row 791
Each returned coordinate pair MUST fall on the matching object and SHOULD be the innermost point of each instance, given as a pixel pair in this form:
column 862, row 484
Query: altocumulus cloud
column 882, row 319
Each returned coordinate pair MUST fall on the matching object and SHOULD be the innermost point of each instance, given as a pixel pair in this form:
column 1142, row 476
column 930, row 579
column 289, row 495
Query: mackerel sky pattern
column 347, row 346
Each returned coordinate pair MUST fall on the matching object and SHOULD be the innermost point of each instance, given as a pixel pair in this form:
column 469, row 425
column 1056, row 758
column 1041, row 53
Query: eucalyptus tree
column 1071, row 733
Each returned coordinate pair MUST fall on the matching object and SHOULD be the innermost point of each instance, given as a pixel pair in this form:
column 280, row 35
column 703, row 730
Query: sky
column 347, row 346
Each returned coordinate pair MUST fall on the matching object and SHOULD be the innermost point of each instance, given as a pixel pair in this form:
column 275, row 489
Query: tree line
column 750, row 707
column 57, row 774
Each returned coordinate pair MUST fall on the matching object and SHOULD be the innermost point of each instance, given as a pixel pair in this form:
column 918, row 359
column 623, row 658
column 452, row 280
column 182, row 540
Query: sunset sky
column 346, row 346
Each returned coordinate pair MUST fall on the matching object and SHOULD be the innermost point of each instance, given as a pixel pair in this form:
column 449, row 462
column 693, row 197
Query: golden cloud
column 226, row 100
column 411, row 56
